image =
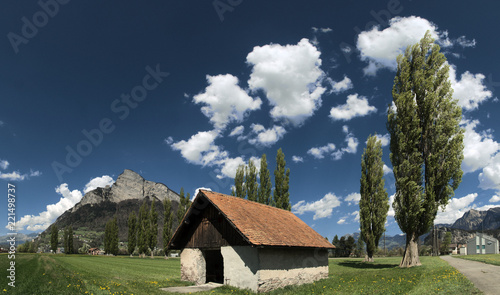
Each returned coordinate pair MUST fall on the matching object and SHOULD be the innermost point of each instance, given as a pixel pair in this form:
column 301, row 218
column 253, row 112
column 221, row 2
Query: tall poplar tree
column 281, row 183
column 426, row 141
column 239, row 182
column 265, row 182
column 54, row 238
column 374, row 204
column 132, row 233
column 167, row 224
column 142, row 230
column 153, row 228
column 251, row 181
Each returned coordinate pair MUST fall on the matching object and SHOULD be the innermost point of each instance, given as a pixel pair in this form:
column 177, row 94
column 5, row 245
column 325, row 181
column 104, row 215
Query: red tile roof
column 264, row 225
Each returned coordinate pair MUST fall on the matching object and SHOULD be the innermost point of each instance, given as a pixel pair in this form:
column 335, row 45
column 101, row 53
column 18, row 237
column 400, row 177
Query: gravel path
column 486, row 277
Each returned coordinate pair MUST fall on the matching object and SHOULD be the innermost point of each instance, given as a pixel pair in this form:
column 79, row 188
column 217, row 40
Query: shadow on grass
column 366, row 265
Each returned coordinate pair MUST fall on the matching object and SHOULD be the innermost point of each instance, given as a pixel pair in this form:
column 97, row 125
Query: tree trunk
column 368, row 258
column 410, row 257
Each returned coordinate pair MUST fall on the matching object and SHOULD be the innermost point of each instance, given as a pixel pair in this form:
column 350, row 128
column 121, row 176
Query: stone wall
column 193, row 266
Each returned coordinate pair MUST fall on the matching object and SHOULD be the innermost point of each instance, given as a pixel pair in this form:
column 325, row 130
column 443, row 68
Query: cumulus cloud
column 469, row 90
column 391, row 210
column 200, row 148
column 237, row 131
column 353, row 198
column 384, row 139
column 342, row 220
column 94, row 183
column 13, row 176
column 356, row 215
column 225, row 101
column 297, row 159
column 291, row 78
column 386, row 169
column 352, row 144
column 354, row 107
column 322, row 208
column 340, row 86
column 319, row 152
column 196, row 191
column 4, row 164
column 266, row 137
column 490, row 177
column 495, row 199
column 455, row 209
column 479, row 148
column 44, row 219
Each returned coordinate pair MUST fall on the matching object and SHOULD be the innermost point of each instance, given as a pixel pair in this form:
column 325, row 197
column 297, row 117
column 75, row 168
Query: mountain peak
column 479, row 220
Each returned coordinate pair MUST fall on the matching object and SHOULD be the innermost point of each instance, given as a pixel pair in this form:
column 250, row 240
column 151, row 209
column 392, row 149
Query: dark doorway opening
column 215, row 266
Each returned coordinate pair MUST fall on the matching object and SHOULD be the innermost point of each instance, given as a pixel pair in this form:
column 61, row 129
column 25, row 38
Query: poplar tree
column 142, row 229
column 114, row 236
column 374, row 204
column 281, row 180
column 153, row 228
column 167, row 224
column 54, row 238
column 132, row 233
column 426, row 141
column 265, row 182
column 183, row 205
column 251, row 181
column 239, row 182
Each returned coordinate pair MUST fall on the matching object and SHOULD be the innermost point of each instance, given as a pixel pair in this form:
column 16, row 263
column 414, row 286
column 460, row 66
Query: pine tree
column 336, row 243
column 132, row 233
column 265, row 182
column 350, row 244
column 107, row 237
column 167, row 224
column 54, row 238
column 153, row 228
column 114, row 237
column 251, row 181
column 426, row 141
column 281, row 183
column 374, row 204
column 239, row 182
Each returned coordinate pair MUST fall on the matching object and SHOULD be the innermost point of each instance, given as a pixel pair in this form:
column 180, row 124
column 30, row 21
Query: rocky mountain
column 479, row 220
column 126, row 195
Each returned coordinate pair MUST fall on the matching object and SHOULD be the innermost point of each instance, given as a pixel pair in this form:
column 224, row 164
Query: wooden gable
column 207, row 230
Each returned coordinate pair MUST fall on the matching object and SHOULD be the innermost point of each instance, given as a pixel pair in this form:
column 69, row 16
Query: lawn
column 488, row 258
column 81, row 274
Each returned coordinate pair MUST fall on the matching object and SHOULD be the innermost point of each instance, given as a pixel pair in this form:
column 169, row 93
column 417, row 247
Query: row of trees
column 67, row 239
column 246, row 185
column 426, row 151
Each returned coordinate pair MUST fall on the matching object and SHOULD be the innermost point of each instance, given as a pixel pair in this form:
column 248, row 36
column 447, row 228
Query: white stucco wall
column 241, row 264
column 280, row 267
column 193, row 266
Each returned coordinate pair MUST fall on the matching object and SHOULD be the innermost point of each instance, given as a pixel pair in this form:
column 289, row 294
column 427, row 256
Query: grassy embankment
column 488, row 258
column 75, row 274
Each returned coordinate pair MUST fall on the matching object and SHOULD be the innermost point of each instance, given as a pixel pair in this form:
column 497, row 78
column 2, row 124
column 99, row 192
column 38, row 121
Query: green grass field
column 79, row 274
column 488, row 258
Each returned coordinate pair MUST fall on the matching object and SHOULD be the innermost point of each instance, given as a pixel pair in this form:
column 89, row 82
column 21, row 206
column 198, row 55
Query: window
column 483, row 246
column 477, row 247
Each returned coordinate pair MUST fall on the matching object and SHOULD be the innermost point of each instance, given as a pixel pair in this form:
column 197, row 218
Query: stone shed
column 248, row 245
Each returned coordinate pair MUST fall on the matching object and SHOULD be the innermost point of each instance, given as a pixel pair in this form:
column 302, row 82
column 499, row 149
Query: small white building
column 248, row 245
column 482, row 244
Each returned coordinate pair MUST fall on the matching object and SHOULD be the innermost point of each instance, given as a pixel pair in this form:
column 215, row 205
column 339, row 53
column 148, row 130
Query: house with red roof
column 248, row 245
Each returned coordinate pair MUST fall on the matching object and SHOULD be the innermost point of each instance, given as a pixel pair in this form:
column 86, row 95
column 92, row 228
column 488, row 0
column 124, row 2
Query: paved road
column 486, row 277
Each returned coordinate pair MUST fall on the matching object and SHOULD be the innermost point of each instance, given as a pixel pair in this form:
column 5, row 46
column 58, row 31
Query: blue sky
column 184, row 92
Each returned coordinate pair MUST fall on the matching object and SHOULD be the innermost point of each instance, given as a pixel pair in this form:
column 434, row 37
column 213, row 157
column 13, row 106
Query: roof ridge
column 246, row 200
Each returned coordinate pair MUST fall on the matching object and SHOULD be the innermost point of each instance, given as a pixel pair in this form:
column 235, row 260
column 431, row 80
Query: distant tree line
column 246, row 186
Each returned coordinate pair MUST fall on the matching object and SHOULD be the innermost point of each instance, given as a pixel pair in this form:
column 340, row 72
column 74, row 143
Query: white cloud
column 169, row 140
column 266, row 137
column 4, row 164
column 490, row 177
column 291, row 78
column 391, row 209
column 225, row 101
column 380, row 48
column 229, row 166
column 94, row 183
column 495, row 199
column 469, row 90
column 322, row 208
column 237, row 131
column 200, row 148
column 356, row 215
column 354, row 107
column 384, row 139
column 455, row 209
column 13, row 176
column 196, row 191
column 340, row 86
column 353, row 198
column 342, row 220
column 35, row 173
column 297, row 159
column 44, row 219
column 322, row 30
column 352, row 144
column 386, row 169
column 479, row 148
column 319, row 152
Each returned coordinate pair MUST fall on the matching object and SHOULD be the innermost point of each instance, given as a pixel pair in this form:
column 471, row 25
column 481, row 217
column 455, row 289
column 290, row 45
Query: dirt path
column 486, row 277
